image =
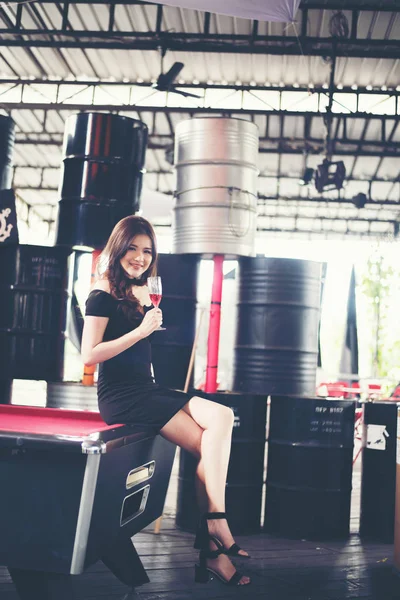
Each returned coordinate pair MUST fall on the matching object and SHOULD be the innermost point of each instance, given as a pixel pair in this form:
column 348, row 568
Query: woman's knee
column 210, row 415
column 223, row 418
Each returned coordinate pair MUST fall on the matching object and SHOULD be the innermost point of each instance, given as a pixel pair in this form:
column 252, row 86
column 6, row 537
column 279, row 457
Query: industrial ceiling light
column 330, row 175
column 360, row 200
column 307, row 176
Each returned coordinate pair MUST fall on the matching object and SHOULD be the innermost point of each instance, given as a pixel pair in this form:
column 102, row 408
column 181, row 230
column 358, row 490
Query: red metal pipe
column 214, row 326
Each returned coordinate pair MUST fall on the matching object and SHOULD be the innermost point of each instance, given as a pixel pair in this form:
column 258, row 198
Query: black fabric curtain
column 323, row 277
column 349, row 358
column 75, row 323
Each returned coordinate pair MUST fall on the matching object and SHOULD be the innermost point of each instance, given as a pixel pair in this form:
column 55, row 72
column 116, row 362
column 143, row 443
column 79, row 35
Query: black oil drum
column 171, row 348
column 246, row 467
column 6, row 386
column 33, row 302
column 7, row 138
column 276, row 347
column 102, row 176
column 378, row 481
column 309, row 470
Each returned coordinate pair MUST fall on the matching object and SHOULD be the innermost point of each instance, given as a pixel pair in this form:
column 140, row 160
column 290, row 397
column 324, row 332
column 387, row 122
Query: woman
column 119, row 319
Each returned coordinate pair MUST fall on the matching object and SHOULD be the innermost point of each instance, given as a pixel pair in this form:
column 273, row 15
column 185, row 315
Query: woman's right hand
column 152, row 320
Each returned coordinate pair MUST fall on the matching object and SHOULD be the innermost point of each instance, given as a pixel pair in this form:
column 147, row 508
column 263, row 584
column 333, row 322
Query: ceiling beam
column 326, row 218
column 325, row 202
column 290, row 146
column 359, row 43
column 280, row 210
column 333, row 5
column 374, row 5
column 268, row 201
column 204, row 85
column 300, row 149
column 294, row 231
column 374, row 179
column 180, row 42
column 190, row 111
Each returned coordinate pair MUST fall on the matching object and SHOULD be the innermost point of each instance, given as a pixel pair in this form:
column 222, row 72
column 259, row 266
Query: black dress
column 126, row 389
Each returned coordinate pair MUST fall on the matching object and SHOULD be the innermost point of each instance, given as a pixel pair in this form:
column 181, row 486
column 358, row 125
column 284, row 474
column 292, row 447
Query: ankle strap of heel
column 214, row 515
column 211, row 553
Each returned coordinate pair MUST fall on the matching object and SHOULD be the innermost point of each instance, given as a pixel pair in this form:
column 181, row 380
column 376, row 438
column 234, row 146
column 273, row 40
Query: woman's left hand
column 152, row 321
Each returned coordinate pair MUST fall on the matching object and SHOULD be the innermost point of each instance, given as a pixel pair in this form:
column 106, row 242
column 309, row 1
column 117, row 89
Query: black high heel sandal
column 202, row 536
column 201, row 542
column 202, row 571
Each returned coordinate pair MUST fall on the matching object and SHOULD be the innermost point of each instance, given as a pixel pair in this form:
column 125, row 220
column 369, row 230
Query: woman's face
column 138, row 257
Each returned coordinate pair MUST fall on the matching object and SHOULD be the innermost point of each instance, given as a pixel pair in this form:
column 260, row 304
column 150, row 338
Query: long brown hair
column 117, row 246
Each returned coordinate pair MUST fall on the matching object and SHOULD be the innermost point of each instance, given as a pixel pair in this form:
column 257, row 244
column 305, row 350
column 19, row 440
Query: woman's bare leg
column 209, row 440
column 217, row 422
column 209, row 499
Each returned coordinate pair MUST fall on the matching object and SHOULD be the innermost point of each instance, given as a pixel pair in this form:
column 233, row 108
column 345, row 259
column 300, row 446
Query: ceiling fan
column 165, row 81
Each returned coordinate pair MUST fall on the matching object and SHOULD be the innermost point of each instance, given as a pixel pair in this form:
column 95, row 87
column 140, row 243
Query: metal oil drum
column 102, row 176
column 7, row 139
column 216, row 187
column 276, row 346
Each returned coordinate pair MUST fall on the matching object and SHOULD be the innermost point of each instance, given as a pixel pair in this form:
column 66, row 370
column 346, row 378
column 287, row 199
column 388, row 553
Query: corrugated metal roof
column 204, row 68
column 37, row 164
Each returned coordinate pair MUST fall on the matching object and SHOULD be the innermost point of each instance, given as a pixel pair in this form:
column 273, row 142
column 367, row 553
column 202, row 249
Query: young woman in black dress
column 119, row 319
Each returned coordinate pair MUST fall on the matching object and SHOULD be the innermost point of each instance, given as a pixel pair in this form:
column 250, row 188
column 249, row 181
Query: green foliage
column 378, row 282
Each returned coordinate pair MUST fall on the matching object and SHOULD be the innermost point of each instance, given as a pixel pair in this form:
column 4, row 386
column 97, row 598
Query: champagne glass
column 155, row 293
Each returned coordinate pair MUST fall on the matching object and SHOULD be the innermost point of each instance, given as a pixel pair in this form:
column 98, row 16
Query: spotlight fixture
column 307, row 176
column 360, row 200
column 330, row 176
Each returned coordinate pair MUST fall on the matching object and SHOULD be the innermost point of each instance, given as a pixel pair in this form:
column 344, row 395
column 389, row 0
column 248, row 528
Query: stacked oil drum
column 103, row 168
column 215, row 162
column 7, row 139
column 215, row 213
column 33, row 294
column 275, row 354
column 310, row 440
column 101, row 183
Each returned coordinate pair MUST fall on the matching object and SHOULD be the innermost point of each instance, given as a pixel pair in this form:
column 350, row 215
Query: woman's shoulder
column 100, row 302
column 102, row 285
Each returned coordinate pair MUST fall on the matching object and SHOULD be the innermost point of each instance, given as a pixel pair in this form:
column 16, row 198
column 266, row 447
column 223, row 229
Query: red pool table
column 76, row 491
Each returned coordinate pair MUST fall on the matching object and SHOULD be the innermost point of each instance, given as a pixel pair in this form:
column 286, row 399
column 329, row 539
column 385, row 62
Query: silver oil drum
column 71, row 395
column 216, row 188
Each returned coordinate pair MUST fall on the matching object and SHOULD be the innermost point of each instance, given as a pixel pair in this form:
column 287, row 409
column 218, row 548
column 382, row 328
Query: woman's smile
column 138, row 257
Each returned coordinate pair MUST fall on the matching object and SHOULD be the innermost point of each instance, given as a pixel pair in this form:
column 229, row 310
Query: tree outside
column 379, row 293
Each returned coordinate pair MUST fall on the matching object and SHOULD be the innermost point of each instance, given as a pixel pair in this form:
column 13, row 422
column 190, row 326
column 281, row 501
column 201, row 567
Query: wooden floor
column 281, row 569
